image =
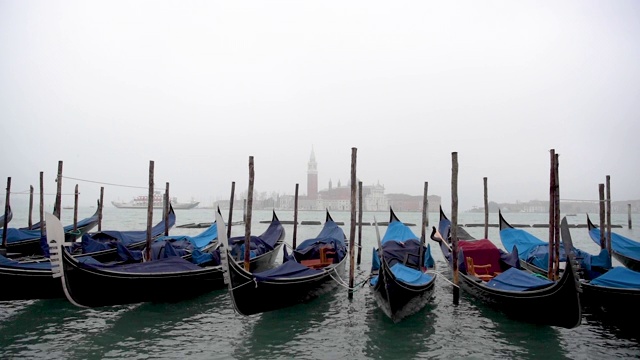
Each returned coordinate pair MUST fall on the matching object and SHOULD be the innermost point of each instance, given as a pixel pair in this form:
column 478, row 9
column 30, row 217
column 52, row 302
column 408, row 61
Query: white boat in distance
column 140, row 202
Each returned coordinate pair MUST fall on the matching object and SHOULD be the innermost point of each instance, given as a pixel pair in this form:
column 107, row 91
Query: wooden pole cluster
column 352, row 232
column 58, row 205
column 359, row 222
column 247, row 231
column 6, row 214
column 486, row 208
column 149, row 210
column 295, row 217
column 454, row 225
column 231, row 199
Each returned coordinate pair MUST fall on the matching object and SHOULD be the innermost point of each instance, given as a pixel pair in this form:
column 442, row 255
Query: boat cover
column 17, row 235
column 82, row 223
column 288, row 270
column 619, row 277
column 9, row 263
column 181, row 245
column 518, row 280
column 397, row 231
column 258, row 244
column 166, row 265
column 483, row 252
column 410, row 276
column 619, row 244
column 536, row 252
column 105, row 240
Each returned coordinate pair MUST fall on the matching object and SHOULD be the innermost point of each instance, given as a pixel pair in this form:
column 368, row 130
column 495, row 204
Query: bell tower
column 312, row 177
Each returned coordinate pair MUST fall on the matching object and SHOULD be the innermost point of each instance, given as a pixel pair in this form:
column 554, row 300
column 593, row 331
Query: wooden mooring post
column 247, row 225
column 454, row 226
column 165, row 210
column 295, row 217
column 425, row 222
column 231, row 199
column 608, row 189
column 629, row 214
column 57, row 208
column 552, row 216
column 486, row 208
column 7, row 208
column 359, row 222
column 75, row 209
column 149, row 210
column 100, row 208
column 30, row 221
column 603, row 240
column 352, row 232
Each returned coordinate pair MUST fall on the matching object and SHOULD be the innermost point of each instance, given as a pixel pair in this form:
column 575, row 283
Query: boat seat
column 327, row 254
column 484, row 275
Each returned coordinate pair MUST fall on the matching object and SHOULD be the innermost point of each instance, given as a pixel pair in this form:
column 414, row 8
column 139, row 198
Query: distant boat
column 140, row 202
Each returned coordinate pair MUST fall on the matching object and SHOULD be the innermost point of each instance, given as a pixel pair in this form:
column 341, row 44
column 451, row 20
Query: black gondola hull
column 27, row 284
column 398, row 299
column 251, row 297
column 91, row 287
column 558, row 305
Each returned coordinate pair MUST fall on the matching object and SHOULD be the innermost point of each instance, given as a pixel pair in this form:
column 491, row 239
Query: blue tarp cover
column 166, row 265
column 619, row 244
column 17, row 235
column 166, row 246
column 397, row 231
column 619, row 277
column 535, row 251
column 258, row 244
column 331, row 234
column 9, row 263
column 289, row 269
column 518, row 280
column 107, row 239
column 410, row 276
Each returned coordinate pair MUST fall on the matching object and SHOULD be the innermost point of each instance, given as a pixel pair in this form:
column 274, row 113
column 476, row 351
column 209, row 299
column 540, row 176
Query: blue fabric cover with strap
column 518, row 280
column 410, row 276
column 619, row 277
column 619, row 244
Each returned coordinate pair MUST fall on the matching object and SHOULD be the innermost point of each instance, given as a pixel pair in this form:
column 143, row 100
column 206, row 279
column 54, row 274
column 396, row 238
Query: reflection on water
column 329, row 327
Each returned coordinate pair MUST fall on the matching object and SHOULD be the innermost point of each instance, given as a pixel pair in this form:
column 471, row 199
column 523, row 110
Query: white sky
column 199, row 86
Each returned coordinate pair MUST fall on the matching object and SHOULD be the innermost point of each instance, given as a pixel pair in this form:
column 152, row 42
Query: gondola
column 625, row 250
column 90, row 283
column 534, row 253
column 27, row 242
column 8, row 216
column 312, row 269
column 399, row 280
column 107, row 245
column 607, row 289
column 516, row 292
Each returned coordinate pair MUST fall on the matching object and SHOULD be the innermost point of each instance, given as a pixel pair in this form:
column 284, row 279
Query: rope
column 110, row 184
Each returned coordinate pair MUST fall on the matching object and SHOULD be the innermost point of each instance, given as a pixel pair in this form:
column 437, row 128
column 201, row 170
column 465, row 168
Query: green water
column 330, row 327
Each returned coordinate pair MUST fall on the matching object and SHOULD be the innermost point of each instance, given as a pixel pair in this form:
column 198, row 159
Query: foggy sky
column 199, row 86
